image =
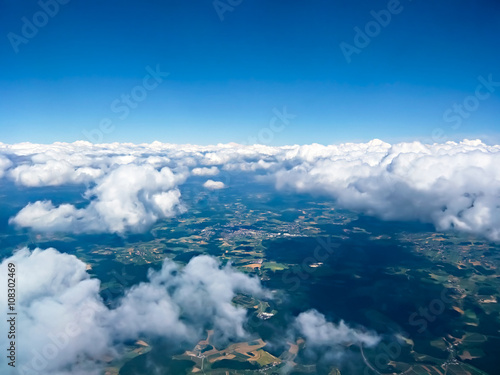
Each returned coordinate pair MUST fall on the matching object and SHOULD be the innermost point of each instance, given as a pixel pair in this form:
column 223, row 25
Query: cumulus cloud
column 53, row 173
column 128, row 199
column 325, row 341
column 214, row 185
column 317, row 331
column 4, row 165
column 202, row 293
column 59, row 314
column 65, row 328
column 205, row 171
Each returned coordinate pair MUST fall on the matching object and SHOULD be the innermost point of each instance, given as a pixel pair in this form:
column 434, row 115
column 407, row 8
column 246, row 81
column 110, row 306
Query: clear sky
column 234, row 64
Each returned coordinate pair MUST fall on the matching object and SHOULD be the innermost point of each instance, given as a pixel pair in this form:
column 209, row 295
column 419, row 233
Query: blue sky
column 228, row 77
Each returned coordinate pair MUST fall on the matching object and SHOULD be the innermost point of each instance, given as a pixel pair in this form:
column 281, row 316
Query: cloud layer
column 451, row 185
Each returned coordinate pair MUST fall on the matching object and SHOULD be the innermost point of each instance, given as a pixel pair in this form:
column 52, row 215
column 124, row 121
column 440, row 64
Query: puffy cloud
column 205, row 171
column 128, row 199
column 325, row 341
column 214, row 185
column 43, row 216
column 53, row 173
column 318, row 332
column 4, row 165
column 202, row 293
column 59, row 314
column 65, row 328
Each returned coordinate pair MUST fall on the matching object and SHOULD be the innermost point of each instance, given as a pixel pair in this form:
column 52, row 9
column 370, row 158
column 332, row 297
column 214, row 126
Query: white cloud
column 205, row 171
column 4, row 165
column 43, row 216
column 59, row 311
column 326, row 342
column 128, row 199
column 214, row 185
column 53, row 173
column 318, row 332
column 64, row 327
column 202, row 292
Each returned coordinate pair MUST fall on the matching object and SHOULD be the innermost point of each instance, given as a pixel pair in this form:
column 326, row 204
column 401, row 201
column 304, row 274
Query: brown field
column 458, row 309
column 253, row 265
column 294, row 348
column 467, row 356
column 222, row 356
column 243, row 347
column 207, row 340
